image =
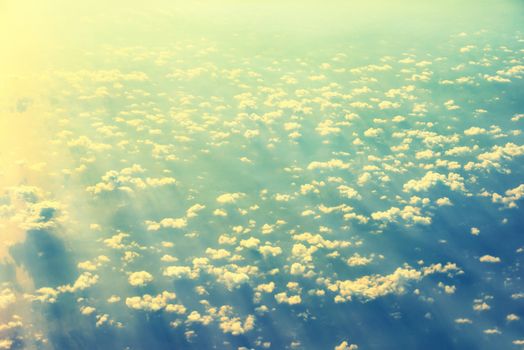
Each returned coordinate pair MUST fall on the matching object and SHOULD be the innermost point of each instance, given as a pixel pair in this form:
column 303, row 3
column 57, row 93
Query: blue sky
column 226, row 175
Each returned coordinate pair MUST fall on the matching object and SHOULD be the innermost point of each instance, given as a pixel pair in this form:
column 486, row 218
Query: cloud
column 266, row 287
column 84, row 281
column 193, row 210
column 251, row 242
column 148, row 302
column 463, row 321
column 178, row 271
column 140, row 278
column 357, row 260
column 346, row 346
column 453, row 180
column 348, row 192
column 444, row 201
column 331, row 164
column 268, row 250
column 283, row 298
column 7, row 297
column 126, row 179
column 511, row 196
column 373, row 286
column 235, row 326
column 489, row 259
column 217, row 254
column 116, row 241
column 43, row 295
column 177, row 223
column 228, row 198
column 232, row 276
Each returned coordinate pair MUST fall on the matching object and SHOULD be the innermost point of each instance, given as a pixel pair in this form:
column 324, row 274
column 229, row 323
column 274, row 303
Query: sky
column 261, row 175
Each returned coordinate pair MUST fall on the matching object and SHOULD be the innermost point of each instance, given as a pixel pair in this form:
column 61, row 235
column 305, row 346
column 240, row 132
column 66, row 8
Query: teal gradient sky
column 261, row 175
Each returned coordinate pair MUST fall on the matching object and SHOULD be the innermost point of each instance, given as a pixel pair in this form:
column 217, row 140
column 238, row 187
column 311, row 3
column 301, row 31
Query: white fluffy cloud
column 228, row 198
column 148, row 302
column 140, row 278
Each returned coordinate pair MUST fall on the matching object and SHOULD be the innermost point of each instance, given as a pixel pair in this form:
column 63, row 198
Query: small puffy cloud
column 475, row 130
column 173, row 223
column 7, row 297
column 225, row 239
column 363, row 178
column 126, row 180
column 495, row 157
column 480, row 305
column 444, row 201
column 87, row 265
column 450, row 105
column 84, row 281
column 228, row 198
column 87, row 310
column 94, row 264
column 371, row 287
column 235, row 326
column 459, row 150
column 511, row 196
column 297, row 269
column 447, row 288
column 357, row 260
column 346, row 346
column 302, row 252
column 220, row 212
column 234, row 276
column 266, row 287
column 217, row 254
column 193, row 210
column 6, row 343
column 115, row 241
column 251, row 242
column 113, row 299
column 348, row 192
column 492, row 331
column 140, row 278
column 463, row 321
column 196, row 317
column 283, row 298
column 148, row 302
column 43, row 295
column 176, row 308
column 84, row 142
column 168, row 258
column 489, row 259
column 14, row 323
column 178, row 271
column 388, row 105
column 426, row 154
column 267, row 229
column 281, row 197
column 268, row 250
column 161, row 181
column 452, row 180
column 330, row 164
column 373, row 132
column 374, row 286
column 291, row 126
column 387, row 215
column 410, row 214
column 327, row 127
column 166, row 223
